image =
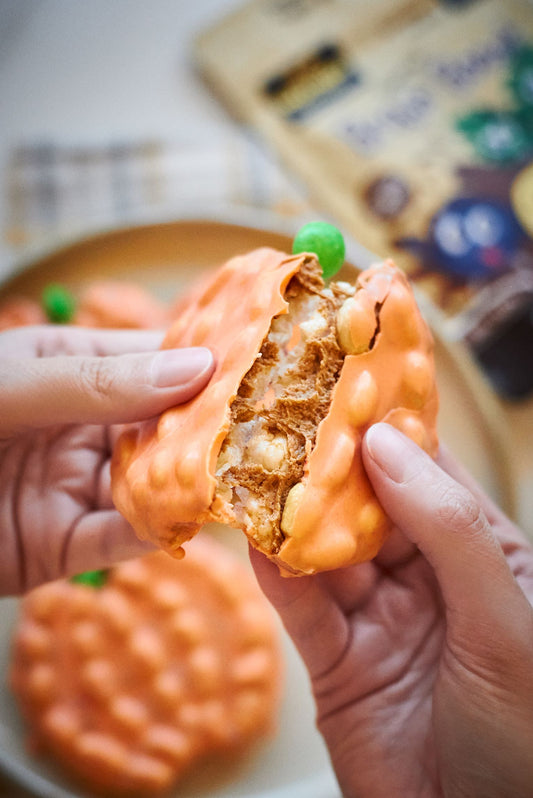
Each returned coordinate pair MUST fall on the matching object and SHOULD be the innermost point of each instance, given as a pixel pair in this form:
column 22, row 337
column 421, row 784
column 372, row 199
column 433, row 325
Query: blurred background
column 408, row 123
column 105, row 121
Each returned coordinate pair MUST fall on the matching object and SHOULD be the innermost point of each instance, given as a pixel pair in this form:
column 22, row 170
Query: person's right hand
column 421, row 661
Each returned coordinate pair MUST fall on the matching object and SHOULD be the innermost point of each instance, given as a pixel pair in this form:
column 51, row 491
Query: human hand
column 62, row 391
column 421, row 661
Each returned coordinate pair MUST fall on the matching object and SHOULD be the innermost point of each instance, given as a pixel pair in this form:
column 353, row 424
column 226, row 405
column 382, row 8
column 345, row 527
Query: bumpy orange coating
column 120, row 304
column 129, row 685
column 163, row 470
column 337, row 519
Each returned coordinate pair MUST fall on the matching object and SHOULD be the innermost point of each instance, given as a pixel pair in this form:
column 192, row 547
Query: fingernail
column 392, row 451
column 179, row 366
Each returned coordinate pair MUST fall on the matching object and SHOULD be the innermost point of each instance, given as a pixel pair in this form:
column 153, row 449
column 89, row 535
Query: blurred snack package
column 411, row 123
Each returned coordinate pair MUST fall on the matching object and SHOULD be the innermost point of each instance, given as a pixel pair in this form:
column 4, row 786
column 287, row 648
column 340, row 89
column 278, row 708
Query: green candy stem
column 325, row 241
column 58, row 303
column 94, row 579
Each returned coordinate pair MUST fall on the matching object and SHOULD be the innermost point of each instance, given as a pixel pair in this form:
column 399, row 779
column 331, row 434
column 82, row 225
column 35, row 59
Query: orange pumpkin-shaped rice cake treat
column 129, row 685
column 272, row 445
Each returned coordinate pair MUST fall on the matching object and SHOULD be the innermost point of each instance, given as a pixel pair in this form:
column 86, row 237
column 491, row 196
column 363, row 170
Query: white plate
column 165, row 257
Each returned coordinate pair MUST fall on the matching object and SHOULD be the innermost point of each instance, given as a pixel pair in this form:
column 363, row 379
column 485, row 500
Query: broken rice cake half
column 272, row 445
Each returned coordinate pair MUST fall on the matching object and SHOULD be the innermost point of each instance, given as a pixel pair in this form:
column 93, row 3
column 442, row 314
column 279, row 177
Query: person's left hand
column 61, row 391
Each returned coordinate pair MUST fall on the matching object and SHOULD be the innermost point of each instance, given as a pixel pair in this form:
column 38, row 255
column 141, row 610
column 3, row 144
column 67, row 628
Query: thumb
column 38, row 392
column 448, row 525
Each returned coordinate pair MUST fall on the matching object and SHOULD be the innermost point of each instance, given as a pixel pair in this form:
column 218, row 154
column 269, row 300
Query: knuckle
column 97, row 377
column 459, row 510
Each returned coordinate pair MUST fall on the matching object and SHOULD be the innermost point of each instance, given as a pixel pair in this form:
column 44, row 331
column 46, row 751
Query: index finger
column 47, row 340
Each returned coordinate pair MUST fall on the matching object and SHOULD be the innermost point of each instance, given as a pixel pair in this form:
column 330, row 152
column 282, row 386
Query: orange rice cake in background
column 119, row 304
column 114, row 304
column 272, row 445
column 131, row 685
column 20, row 311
